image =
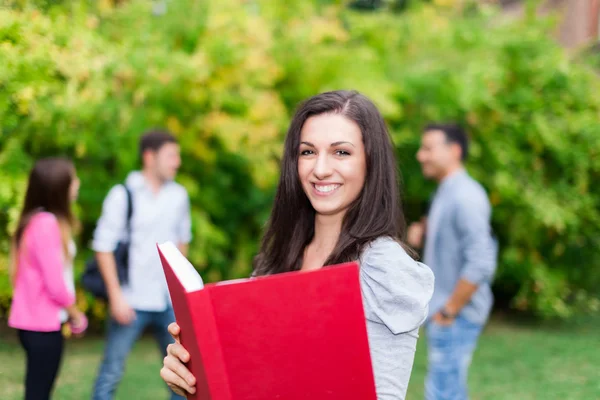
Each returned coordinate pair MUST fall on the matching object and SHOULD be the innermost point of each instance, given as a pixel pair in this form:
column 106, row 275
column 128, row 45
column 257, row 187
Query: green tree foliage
column 225, row 76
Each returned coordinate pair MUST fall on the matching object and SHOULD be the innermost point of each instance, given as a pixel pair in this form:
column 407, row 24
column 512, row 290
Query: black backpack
column 92, row 280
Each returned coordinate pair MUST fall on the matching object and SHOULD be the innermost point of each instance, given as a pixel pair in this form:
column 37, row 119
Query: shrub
column 225, row 76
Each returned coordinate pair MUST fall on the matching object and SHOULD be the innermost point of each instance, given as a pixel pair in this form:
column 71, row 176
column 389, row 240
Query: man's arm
column 185, row 227
column 460, row 297
column 110, row 229
column 183, row 248
column 120, row 310
column 478, row 249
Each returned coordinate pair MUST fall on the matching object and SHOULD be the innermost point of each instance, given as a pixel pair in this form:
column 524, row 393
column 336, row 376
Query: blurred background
column 85, row 78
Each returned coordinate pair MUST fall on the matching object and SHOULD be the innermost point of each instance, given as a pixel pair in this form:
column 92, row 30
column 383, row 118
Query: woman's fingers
column 174, row 331
column 175, row 382
column 174, row 361
column 178, row 351
column 174, row 372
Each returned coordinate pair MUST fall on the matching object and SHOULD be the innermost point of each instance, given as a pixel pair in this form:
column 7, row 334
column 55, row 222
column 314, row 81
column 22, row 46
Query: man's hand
column 441, row 320
column 121, row 311
column 415, row 234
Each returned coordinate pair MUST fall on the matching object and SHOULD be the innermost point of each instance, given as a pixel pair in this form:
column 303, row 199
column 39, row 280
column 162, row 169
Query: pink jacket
column 40, row 290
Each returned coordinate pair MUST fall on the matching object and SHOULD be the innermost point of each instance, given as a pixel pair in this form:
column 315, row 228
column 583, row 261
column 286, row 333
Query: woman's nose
column 323, row 167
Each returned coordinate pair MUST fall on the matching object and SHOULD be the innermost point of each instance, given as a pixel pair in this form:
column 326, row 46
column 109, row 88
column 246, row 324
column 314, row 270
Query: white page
column 184, row 270
column 232, row 281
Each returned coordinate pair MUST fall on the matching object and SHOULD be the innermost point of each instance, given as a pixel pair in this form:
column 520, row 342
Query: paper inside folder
column 183, row 269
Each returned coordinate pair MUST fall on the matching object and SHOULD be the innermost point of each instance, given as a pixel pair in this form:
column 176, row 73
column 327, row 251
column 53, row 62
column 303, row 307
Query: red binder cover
column 291, row 336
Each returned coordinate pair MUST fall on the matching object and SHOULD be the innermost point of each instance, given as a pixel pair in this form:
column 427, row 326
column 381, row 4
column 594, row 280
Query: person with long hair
column 338, row 200
column 42, row 273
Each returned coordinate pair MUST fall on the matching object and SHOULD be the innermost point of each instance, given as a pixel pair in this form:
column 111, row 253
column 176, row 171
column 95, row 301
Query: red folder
column 291, row 336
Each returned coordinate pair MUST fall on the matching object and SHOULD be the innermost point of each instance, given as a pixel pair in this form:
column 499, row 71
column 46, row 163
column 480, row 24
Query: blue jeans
column 120, row 339
column 450, row 349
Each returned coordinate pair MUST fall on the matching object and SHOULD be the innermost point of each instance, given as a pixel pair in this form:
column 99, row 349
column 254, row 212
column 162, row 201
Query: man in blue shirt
column 161, row 212
column 462, row 252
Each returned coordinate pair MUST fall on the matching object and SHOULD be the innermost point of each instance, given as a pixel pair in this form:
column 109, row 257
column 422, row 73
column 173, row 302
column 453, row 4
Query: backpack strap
column 129, row 210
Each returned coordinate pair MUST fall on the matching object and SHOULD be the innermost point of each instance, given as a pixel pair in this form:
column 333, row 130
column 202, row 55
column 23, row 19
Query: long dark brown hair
column 376, row 212
column 48, row 189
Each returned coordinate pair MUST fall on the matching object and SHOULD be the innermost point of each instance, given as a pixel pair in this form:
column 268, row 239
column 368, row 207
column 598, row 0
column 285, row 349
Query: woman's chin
column 328, row 211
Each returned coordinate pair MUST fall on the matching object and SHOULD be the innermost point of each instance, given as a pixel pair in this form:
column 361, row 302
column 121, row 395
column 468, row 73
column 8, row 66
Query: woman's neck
column 327, row 232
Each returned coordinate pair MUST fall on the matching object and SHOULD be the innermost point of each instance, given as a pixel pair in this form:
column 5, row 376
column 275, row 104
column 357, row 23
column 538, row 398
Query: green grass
column 512, row 362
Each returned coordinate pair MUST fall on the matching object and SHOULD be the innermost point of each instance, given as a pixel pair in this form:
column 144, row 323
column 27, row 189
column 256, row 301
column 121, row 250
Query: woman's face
column 331, row 163
column 74, row 188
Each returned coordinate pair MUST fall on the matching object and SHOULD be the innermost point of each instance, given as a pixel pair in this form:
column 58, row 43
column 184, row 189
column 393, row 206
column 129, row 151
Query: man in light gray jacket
column 462, row 252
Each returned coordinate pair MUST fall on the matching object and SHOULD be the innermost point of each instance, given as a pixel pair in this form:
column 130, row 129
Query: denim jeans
column 120, row 339
column 450, row 349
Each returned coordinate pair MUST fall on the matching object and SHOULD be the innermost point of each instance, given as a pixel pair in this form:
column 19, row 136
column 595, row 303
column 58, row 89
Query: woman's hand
column 174, row 372
column 78, row 322
column 79, row 325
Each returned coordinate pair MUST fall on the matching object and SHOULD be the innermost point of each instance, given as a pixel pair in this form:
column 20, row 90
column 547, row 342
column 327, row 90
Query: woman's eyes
column 337, row 153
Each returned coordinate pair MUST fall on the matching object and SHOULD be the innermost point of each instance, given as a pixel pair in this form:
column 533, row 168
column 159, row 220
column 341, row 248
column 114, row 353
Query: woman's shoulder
column 396, row 287
column 43, row 219
column 389, row 256
column 387, row 252
column 385, row 246
column 40, row 224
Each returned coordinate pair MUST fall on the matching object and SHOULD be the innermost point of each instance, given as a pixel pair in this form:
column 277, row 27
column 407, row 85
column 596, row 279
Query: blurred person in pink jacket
column 42, row 273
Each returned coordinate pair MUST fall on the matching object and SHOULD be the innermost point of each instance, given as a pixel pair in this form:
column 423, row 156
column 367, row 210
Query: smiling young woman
column 338, row 201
